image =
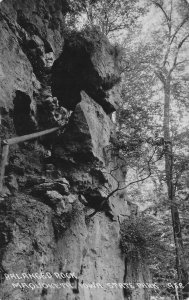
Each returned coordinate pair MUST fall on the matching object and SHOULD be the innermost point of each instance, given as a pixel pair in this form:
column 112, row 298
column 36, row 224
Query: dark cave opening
column 74, row 72
column 22, row 114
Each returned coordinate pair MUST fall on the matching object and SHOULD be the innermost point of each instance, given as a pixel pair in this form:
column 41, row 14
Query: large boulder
column 87, row 133
column 85, row 156
column 90, row 63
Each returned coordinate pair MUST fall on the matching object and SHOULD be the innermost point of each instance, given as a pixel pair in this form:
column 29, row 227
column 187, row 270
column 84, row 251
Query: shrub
column 141, row 238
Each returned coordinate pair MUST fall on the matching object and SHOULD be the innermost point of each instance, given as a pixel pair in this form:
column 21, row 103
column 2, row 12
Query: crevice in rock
column 61, row 223
column 75, row 284
column 94, row 199
column 44, row 293
column 23, row 115
column 126, row 291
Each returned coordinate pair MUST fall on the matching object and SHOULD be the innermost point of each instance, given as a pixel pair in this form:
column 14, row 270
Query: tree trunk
column 179, row 249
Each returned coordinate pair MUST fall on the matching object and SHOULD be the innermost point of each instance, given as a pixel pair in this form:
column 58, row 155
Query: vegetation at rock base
column 140, row 238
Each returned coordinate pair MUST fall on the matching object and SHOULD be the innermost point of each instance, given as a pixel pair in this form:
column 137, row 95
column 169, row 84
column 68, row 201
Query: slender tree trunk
column 179, row 249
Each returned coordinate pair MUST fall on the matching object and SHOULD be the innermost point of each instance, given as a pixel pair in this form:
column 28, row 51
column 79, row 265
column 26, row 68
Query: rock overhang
column 89, row 63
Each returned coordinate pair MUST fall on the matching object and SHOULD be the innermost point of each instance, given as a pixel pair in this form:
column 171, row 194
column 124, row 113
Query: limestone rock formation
column 90, row 63
column 52, row 186
column 85, row 149
column 31, row 38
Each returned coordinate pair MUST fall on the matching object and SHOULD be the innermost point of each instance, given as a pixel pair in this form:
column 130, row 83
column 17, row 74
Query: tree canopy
column 111, row 17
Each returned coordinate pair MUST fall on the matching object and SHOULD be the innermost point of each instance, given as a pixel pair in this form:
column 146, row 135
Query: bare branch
column 165, row 14
column 177, row 53
column 178, row 28
column 160, row 75
column 169, row 24
column 118, row 188
column 182, row 61
column 171, row 12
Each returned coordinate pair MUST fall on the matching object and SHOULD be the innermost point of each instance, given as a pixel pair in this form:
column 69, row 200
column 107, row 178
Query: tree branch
column 160, row 75
column 165, row 14
column 177, row 53
column 118, row 188
column 182, row 61
column 178, row 28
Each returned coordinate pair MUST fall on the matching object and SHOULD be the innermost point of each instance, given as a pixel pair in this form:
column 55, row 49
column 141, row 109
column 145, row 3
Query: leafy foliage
column 153, row 66
column 110, row 16
column 140, row 238
column 149, row 238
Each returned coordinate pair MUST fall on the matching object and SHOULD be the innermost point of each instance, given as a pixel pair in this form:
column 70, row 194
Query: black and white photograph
column 94, row 149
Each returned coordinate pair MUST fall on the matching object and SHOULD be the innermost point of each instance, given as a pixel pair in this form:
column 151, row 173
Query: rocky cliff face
column 63, row 198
